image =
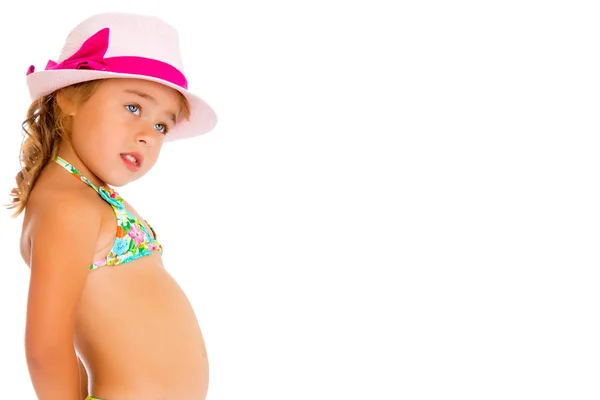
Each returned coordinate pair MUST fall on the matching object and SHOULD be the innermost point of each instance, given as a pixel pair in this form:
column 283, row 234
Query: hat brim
column 202, row 117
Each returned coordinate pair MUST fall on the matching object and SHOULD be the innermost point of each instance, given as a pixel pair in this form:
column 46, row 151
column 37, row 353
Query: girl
column 102, row 312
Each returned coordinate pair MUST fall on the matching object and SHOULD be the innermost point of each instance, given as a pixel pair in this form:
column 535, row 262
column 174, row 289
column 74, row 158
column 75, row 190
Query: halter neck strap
column 109, row 195
column 75, row 172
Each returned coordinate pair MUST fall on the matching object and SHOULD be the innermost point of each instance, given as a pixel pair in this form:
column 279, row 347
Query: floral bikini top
column 132, row 239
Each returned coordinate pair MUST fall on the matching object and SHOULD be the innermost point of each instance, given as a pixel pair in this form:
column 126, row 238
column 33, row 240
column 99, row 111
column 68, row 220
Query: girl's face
column 119, row 131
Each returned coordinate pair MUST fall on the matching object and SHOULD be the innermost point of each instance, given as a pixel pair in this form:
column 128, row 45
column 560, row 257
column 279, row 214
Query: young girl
column 104, row 317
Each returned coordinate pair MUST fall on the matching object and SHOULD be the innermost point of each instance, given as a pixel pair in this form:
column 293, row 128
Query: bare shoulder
column 54, row 212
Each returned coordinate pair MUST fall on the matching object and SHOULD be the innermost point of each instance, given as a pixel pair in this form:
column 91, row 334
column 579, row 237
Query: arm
column 63, row 240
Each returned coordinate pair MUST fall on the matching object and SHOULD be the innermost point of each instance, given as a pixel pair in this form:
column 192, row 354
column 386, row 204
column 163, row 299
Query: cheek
column 153, row 155
column 104, row 131
column 86, row 124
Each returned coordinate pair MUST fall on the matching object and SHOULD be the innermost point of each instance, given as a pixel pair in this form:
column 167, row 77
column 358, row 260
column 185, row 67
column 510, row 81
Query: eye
column 162, row 128
column 133, row 108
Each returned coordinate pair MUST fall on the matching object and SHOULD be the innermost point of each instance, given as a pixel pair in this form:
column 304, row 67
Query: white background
column 400, row 199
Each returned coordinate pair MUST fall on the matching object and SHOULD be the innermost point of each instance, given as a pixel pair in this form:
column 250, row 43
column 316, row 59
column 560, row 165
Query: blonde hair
column 44, row 132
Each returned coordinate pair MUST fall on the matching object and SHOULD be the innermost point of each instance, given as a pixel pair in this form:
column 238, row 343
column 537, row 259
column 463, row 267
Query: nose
column 145, row 135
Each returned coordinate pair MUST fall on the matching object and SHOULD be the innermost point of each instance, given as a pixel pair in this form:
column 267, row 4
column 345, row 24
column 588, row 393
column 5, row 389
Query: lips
column 133, row 161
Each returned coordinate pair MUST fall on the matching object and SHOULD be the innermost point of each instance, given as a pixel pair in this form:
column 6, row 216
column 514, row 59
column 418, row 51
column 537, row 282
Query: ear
column 66, row 103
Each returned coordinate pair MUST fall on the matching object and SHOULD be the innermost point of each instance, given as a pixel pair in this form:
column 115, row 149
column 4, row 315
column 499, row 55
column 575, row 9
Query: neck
column 68, row 153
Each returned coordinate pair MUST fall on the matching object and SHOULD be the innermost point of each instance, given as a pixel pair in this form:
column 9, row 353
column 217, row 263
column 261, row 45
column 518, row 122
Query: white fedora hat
column 124, row 45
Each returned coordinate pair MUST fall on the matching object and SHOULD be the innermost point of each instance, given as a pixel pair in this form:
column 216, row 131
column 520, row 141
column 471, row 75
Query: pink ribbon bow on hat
column 89, row 56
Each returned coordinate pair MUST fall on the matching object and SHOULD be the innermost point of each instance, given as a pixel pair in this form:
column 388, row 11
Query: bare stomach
column 138, row 335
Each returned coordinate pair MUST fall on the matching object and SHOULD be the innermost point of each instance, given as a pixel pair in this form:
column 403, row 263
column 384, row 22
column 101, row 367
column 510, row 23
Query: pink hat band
column 91, row 56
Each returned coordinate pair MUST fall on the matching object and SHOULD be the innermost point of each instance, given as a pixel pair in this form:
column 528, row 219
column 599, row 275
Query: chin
column 121, row 176
column 123, row 182
column 120, row 180
column 118, row 183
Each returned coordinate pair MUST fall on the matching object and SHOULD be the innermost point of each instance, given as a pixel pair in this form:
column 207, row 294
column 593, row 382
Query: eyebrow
column 150, row 98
